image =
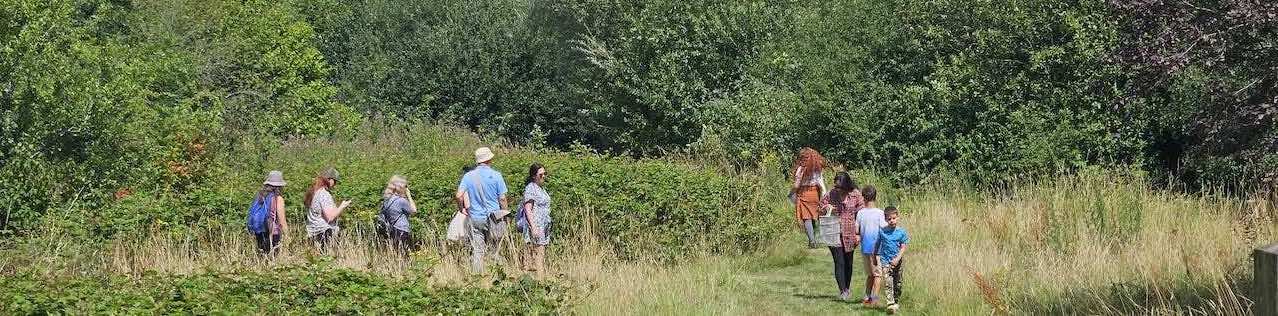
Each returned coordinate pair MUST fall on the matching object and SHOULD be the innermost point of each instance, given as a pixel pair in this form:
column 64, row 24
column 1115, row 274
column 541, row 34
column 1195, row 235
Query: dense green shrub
column 1028, row 88
column 86, row 112
column 492, row 65
column 1204, row 73
column 102, row 99
column 653, row 65
column 314, row 289
column 257, row 63
column 629, row 77
column 1001, row 91
column 743, row 128
column 1007, row 90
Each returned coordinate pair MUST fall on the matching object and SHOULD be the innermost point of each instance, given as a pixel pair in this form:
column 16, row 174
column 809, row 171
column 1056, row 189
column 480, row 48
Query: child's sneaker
column 843, row 296
column 892, row 308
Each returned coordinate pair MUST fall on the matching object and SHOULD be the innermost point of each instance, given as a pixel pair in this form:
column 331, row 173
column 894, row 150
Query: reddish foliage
column 122, row 193
column 1228, row 47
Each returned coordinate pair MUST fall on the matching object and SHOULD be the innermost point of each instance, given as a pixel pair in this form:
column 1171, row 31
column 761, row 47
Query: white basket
column 830, row 229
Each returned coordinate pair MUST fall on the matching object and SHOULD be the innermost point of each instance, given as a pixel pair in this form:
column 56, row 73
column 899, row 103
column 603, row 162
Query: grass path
column 780, row 281
column 806, row 286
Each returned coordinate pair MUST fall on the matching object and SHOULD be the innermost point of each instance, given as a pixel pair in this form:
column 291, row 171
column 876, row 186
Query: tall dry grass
column 1095, row 244
column 1086, row 244
column 581, row 259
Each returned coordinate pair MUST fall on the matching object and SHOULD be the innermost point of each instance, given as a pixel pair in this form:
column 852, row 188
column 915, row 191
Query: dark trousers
column 400, row 241
column 267, row 244
column 323, row 239
column 842, row 267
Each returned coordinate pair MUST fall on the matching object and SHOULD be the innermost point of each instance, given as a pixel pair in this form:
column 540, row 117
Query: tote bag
column 457, row 228
column 831, row 228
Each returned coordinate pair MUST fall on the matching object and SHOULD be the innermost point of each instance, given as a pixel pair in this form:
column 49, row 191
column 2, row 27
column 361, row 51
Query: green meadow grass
column 667, row 236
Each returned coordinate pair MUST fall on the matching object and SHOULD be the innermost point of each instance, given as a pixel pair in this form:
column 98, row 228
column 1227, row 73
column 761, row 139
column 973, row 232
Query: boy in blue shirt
column 888, row 253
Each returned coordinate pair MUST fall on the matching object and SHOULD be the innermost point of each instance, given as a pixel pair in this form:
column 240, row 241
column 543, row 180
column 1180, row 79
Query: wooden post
column 1265, row 292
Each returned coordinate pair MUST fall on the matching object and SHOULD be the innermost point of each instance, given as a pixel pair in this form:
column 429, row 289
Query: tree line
column 98, row 95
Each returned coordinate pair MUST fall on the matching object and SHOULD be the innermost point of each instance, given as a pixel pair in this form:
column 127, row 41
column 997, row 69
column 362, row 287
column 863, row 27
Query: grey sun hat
column 331, row 173
column 275, row 178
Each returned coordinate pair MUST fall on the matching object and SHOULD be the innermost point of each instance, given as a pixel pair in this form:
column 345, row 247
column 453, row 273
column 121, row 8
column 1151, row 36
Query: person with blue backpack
column 266, row 220
column 533, row 219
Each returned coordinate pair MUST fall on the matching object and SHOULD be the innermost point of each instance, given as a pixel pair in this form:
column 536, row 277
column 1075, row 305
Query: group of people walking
column 482, row 212
column 852, row 223
column 850, row 220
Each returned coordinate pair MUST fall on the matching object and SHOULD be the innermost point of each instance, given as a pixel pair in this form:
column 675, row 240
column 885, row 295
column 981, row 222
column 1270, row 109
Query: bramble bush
column 644, row 209
column 312, row 289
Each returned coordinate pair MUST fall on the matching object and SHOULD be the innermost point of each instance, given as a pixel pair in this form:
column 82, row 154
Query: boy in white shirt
column 871, row 221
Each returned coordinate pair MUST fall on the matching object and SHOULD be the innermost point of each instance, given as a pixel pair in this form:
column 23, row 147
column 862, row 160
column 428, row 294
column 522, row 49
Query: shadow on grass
column 830, row 298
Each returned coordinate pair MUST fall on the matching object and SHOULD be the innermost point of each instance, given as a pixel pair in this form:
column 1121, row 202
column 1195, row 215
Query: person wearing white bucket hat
column 483, row 193
column 266, row 217
column 483, row 155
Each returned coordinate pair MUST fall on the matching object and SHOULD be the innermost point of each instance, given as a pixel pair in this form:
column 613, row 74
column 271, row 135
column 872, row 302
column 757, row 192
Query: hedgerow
column 648, row 209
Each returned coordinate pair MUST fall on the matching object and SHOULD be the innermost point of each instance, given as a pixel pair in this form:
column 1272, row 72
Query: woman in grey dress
column 535, row 208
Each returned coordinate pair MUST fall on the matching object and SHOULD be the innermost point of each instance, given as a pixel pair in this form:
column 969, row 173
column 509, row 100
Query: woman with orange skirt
column 808, row 190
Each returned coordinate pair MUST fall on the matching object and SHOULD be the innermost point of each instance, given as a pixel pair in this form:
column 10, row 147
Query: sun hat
column 483, row 154
column 275, row 178
column 331, row 173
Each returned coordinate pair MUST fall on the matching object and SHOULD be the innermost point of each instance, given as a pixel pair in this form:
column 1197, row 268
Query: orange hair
column 320, row 183
column 811, row 161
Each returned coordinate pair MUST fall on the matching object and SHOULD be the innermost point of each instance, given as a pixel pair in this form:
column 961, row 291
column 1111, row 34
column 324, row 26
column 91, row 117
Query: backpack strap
column 384, row 207
column 479, row 185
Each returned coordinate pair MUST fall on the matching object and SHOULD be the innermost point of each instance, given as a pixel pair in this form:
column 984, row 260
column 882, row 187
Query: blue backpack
column 521, row 221
column 258, row 213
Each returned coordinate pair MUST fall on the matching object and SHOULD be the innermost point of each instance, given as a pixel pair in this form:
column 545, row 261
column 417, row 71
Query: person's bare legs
column 525, row 257
column 869, row 276
column 539, row 260
column 877, row 282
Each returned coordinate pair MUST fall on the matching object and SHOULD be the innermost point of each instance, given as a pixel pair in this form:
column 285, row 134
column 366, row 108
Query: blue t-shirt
column 494, row 187
column 870, row 220
column 890, row 241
